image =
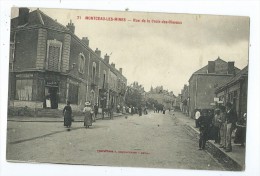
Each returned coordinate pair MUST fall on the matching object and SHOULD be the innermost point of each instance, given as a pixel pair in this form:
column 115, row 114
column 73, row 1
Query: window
column 53, row 61
column 24, row 90
column 94, row 71
column 104, row 78
column 81, row 63
column 11, row 56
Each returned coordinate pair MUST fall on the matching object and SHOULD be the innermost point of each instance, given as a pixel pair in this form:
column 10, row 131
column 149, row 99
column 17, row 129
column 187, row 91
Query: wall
column 25, row 49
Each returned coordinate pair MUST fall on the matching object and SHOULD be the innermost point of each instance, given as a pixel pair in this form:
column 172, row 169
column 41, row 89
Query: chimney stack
column 23, row 16
column 98, row 52
column 85, row 40
column 211, row 66
column 106, row 58
column 113, row 65
column 231, row 68
column 71, row 27
column 121, row 70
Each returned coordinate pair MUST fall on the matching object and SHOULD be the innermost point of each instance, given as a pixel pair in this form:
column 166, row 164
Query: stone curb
column 226, row 161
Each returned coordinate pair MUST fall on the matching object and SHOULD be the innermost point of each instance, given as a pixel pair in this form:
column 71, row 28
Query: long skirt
column 88, row 119
column 67, row 119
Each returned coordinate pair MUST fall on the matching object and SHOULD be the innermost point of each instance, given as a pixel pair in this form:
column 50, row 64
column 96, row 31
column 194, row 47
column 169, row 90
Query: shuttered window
column 53, row 55
column 24, row 90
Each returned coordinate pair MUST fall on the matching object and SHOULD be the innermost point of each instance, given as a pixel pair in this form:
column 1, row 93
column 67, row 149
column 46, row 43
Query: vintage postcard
column 128, row 89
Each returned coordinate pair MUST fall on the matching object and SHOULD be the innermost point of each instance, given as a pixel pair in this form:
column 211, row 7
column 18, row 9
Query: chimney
column 113, row 65
column 98, row 52
column 85, row 40
column 211, row 66
column 231, row 68
column 106, row 58
column 71, row 27
column 121, row 70
column 23, row 16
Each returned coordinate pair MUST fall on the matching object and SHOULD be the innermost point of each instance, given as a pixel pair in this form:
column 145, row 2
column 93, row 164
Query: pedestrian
column 240, row 135
column 197, row 115
column 231, row 118
column 216, row 126
column 140, row 110
column 88, row 115
column 203, row 123
column 223, row 126
column 95, row 112
column 67, row 113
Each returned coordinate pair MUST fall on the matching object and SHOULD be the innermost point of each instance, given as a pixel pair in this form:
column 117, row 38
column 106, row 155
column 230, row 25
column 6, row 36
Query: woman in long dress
column 88, row 115
column 67, row 113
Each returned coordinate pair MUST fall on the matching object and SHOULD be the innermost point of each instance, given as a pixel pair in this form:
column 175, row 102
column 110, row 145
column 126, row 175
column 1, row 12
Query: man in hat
column 231, row 118
column 203, row 123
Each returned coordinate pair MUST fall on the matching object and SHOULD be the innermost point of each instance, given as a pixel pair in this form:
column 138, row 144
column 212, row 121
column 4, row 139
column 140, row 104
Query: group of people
column 218, row 125
column 136, row 110
column 89, row 112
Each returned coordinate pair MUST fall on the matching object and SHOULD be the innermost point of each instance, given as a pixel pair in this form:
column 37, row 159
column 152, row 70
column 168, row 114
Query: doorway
column 51, row 97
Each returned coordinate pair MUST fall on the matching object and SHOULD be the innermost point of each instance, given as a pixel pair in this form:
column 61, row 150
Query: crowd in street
column 90, row 113
column 218, row 124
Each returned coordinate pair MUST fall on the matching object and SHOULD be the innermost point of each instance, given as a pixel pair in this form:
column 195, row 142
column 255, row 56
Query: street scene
column 152, row 140
column 107, row 88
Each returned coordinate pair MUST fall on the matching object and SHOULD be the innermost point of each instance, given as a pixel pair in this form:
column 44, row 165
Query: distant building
column 162, row 96
column 185, row 99
column 48, row 61
column 235, row 91
column 202, row 83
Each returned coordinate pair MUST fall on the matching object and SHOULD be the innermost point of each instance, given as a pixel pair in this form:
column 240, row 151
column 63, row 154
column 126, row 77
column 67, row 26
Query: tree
column 133, row 97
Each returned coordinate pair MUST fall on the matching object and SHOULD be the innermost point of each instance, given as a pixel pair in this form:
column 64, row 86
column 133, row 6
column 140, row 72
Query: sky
column 155, row 54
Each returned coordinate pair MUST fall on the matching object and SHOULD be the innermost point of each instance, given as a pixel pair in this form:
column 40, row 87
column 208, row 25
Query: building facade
column 202, row 83
column 235, row 91
column 49, row 62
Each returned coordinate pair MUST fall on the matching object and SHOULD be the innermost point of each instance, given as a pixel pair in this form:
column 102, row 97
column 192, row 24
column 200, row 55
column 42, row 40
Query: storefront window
column 24, row 90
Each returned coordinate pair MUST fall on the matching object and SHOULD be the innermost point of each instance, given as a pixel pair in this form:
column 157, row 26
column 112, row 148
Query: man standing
column 203, row 123
column 197, row 116
column 231, row 118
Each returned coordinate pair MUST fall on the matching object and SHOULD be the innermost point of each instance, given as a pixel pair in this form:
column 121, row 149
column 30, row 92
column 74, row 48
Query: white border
column 239, row 8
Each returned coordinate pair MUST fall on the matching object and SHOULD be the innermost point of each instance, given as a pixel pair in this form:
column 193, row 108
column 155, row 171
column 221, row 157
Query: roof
column 38, row 18
column 220, row 70
column 240, row 75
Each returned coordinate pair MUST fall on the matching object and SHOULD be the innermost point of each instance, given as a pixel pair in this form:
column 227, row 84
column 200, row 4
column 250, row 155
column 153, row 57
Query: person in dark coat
column 67, row 113
column 203, row 123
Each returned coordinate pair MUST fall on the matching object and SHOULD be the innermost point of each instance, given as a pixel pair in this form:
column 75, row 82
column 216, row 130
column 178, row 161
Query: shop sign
column 25, row 75
column 51, row 83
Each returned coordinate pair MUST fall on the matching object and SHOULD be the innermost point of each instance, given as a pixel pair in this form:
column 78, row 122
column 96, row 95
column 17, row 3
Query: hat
column 87, row 103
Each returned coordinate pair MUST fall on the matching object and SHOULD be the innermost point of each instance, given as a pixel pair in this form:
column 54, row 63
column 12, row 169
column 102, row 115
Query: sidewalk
column 53, row 119
column 234, row 160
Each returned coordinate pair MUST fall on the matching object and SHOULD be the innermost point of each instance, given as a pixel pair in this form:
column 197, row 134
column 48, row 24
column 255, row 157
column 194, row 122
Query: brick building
column 48, row 61
column 235, row 91
column 202, row 83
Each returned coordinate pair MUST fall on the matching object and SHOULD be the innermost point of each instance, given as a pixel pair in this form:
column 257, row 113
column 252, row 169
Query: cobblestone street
column 153, row 140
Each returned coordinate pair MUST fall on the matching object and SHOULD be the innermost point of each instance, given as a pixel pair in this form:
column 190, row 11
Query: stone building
column 162, row 96
column 235, row 91
column 202, row 83
column 49, row 62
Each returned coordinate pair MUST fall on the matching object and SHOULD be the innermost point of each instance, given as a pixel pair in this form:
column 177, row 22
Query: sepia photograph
column 128, row 89
column 120, row 88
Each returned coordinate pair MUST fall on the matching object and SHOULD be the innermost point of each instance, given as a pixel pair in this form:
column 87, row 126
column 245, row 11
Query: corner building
column 48, row 61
